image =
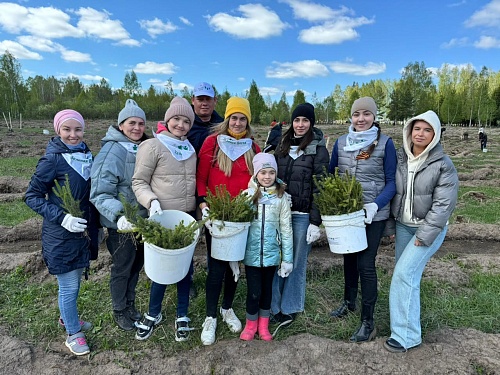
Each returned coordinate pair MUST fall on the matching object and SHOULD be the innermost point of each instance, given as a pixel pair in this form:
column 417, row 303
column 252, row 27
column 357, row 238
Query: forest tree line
column 460, row 96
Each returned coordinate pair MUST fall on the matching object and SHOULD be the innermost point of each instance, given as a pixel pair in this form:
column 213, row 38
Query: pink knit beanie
column 65, row 115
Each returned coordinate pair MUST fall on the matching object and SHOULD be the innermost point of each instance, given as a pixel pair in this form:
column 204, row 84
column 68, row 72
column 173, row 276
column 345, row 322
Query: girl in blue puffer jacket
column 269, row 244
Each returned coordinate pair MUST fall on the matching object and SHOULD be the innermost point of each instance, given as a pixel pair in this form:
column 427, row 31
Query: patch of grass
column 30, row 311
column 478, row 205
column 15, row 212
column 18, row 166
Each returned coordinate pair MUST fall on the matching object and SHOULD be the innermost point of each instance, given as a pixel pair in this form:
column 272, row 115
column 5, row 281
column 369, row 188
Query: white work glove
column 101, row 236
column 370, row 212
column 289, row 199
column 285, row 269
column 155, row 208
column 313, row 233
column 204, row 216
column 74, row 224
column 124, row 224
column 235, row 267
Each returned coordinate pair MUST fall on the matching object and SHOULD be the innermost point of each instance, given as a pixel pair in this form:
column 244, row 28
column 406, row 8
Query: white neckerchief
column 232, row 147
column 180, row 150
column 81, row 162
column 359, row 140
column 295, row 152
column 130, row 147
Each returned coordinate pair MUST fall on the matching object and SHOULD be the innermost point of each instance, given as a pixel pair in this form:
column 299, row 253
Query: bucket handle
column 227, row 233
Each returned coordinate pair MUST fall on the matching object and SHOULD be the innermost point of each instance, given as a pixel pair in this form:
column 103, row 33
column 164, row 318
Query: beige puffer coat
column 158, row 175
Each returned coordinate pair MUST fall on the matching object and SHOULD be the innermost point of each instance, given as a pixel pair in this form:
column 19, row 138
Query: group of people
column 193, row 151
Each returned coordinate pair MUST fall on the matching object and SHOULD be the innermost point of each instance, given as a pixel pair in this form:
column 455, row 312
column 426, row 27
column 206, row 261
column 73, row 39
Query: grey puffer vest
column 369, row 172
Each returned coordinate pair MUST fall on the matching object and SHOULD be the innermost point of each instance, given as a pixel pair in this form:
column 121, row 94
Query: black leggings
column 259, row 288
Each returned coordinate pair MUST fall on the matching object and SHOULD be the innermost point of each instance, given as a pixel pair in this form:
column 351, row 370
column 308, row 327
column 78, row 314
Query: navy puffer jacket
column 62, row 250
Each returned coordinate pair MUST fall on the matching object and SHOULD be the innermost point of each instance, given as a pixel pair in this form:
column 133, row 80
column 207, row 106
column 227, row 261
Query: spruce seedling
column 70, row 205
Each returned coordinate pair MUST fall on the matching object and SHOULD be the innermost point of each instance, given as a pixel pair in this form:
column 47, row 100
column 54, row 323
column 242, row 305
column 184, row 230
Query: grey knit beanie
column 365, row 103
column 131, row 109
column 180, row 107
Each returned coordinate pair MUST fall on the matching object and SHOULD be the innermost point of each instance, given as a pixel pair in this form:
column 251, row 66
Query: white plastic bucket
column 229, row 240
column 346, row 233
column 169, row 266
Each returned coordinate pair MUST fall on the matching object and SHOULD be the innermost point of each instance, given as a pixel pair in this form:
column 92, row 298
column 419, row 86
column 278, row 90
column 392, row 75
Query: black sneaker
column 182, row 328
column 123, row 321
column 146, row 325
column 285, row 321
column 276, row 318
column 132, row 313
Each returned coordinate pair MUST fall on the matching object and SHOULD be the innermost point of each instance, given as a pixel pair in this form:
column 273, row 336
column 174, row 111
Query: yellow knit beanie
column 241, row 105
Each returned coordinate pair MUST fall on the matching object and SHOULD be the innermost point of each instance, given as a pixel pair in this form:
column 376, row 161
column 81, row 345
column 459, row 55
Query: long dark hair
column 288, row 139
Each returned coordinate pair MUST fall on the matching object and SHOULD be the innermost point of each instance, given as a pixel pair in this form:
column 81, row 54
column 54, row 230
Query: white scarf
column 295, row 152
column 130, row 147
column 359, row 140
column 232, row 147
column 81, row 162
column 180, row 150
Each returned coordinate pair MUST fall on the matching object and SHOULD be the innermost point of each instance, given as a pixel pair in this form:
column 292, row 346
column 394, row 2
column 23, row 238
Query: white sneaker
column 208, row 333
column 231, row 320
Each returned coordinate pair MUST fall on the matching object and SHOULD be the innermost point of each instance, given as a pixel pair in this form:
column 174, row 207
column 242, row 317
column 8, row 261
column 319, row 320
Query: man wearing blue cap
column 204, row 101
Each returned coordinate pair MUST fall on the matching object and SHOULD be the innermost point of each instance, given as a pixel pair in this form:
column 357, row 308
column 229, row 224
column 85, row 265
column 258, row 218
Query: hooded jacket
column 429, row 194
column 298, row 175
column 62, row 251
column 270, row 237
column 201, row 130
column 112, row 176
column 160, row 176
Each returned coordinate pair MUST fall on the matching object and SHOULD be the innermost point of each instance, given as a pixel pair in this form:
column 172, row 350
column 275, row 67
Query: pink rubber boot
column 250, row 330
column 264, row 333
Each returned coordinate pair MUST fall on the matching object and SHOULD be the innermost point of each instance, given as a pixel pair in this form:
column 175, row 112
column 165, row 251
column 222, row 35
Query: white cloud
column 39, row 43
column 367, row 69
column 150, row 67
column 18, row 51
column 45, row 22
column 241, row 79
column 185, row 21
column 257, row 22
column 157, row 27
column 487, row 42
column 303, row 69
column 314, row 12
column 334, row 32
column 487, row 16
column 456, row 42
column 75, row 56
column 83, row 77
column 98, row 25
column 271, row 91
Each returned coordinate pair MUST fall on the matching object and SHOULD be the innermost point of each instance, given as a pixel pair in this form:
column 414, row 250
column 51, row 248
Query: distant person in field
column 112, row 181
column 165, row 179
column 426, row 195
column 66, row 250
column 274, row 137
column 203, row 101
column 483, row 138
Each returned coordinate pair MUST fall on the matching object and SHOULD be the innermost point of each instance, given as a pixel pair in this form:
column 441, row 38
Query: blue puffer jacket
column 270, row 238
column 62, row 250
column 112, row 176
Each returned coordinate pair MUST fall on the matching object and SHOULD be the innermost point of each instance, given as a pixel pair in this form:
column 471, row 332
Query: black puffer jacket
column 298, row 175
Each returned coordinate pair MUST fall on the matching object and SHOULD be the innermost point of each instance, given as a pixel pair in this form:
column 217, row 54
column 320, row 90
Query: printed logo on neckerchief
column 130, row 147
column 180, row 150
column 295, row 152
column 232, row 147
column 81, row 162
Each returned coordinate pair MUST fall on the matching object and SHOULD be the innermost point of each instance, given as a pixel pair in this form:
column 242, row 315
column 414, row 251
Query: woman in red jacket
column 225, row 158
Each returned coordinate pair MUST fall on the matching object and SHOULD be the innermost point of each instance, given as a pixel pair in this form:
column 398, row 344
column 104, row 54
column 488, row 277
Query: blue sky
column 283, row 45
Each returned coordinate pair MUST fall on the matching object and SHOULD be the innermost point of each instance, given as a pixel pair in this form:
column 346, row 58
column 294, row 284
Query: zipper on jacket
column 262, row 235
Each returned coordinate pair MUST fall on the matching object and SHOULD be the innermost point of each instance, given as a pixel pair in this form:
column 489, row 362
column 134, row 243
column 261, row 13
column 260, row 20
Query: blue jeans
column 69, row 286
column 404, row 295
column 158, row 292
column 289, row 294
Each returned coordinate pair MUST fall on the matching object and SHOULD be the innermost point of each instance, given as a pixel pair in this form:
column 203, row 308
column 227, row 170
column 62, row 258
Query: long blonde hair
column 226, row 164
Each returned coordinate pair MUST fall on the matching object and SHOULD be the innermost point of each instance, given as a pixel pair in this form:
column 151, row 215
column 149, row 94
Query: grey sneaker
column 84, row 326
column 231, row 320
column 77, row 344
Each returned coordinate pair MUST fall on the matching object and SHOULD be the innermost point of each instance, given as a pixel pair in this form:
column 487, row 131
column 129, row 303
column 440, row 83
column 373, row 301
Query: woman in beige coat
column 165, row 179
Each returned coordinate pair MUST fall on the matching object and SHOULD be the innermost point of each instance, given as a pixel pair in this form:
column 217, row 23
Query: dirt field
column 445, row 351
